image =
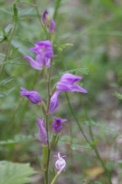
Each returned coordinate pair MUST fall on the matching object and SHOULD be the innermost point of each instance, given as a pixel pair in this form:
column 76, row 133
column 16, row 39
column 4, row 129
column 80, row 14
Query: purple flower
column 60, row 163
column 39, row 63
column 57, row 125
column 33, row 96
column 42, row 135
column 54, row 102
column 44, row 52
column 68, row 83
column 48, row 22
column 44, row 48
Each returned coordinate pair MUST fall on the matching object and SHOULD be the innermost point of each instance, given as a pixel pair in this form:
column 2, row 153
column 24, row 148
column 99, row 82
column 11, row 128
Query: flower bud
column 57, row 125
column 42, row 131
column 33, row 96
column 60, row 163
column 48, row 22
column 54, row 103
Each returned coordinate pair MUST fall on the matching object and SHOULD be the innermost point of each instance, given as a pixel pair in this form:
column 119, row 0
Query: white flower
column 60, row 163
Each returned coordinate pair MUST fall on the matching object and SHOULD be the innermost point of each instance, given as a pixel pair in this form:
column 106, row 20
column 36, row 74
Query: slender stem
column 98, row 155
column 48, row 86
column 46, row 172
column 76, row 119
column 48, row 81
column 91, row 134
column 39, row 18
column 55, row 178
column 8, row 47
column 57, row 5
column 46, row 176
column 37, row 12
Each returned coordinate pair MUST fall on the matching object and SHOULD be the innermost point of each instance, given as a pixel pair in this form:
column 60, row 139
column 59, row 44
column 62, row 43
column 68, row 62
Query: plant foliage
column 11, row 173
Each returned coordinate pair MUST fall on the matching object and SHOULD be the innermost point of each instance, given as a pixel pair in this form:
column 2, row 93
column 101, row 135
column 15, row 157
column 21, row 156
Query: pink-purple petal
column 42, row 135
column 57, row 125
column 54, row 102
column 33, row 63
column 52, row 26
column 68, row 83
column 61, row 86
column 44, row 16
column 78, row 88
column 33, row 96
column 48, row 22
column 70, row 78
column 44, row 48
column 60, row 163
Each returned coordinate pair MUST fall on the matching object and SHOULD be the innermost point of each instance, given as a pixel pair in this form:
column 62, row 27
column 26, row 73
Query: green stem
column 8, row 47
column 55, row 178
column 39, row 18
column 37, row 12
column 46, row 176
column 46, row 172
column 98, row 155
column 76, row 119
column 53, row 142
column 91, row 134
column 48, row 81
column 57, row 5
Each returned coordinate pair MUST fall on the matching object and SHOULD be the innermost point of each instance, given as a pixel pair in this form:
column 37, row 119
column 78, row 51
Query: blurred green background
column 94, row 27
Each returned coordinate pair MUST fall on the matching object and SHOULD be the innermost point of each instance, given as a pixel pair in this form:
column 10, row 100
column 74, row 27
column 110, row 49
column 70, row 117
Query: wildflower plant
column 44, row 58
column 49, row 123
column 67, row 83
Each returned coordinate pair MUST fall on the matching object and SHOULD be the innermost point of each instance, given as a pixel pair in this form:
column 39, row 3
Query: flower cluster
column 67, row 83
column 44, row 53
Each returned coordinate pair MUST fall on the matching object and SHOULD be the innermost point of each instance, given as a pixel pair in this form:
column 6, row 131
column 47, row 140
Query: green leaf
column 15, row 12
column 63, row 46
column 2, row 39
column 118, row 95
column 5, row 11
column 6, row 33
column 25, row 12
column 5, row 81
column 74, row 143
column 18, row 139
column 97, row 182
column 8, row 29
column 15, row 173
column 2, row 55
column 6, row 93
column 82, row 70
column 119, row 162
column 21, row 48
